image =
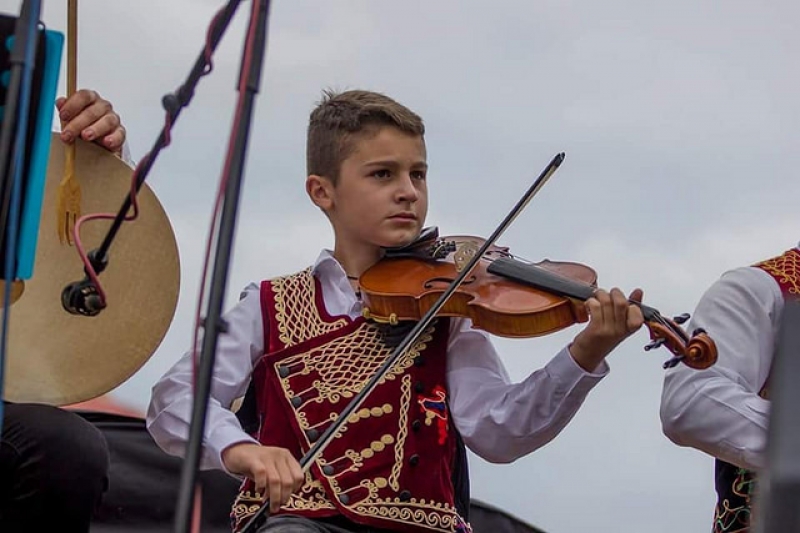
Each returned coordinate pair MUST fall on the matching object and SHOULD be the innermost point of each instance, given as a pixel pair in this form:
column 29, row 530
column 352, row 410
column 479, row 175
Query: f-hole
column 431, row 283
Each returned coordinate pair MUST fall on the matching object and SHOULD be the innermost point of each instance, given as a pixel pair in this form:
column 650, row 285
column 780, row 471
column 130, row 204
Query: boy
column 302, row 341
column 724, row 410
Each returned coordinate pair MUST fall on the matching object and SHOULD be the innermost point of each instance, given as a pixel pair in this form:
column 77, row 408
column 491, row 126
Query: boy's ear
column 320, row 190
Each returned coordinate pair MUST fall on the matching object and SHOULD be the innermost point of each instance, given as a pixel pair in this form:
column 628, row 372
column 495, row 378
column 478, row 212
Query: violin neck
column 549, row 281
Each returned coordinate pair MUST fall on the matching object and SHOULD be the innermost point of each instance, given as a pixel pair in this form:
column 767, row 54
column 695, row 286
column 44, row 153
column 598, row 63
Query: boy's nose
column 407, row 191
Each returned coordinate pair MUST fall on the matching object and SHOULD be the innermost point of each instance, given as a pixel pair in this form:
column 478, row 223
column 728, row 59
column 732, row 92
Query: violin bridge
column 464, row 253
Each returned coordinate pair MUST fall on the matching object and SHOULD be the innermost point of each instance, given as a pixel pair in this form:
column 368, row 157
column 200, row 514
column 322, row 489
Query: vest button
column 419, row 387
column 328, row 470
column 413, row 460
column 283, row 371
column 419, row 360
column 415, row 425
column 344, row 498
column 297, row 401
column 405, row 496
column 312, row 434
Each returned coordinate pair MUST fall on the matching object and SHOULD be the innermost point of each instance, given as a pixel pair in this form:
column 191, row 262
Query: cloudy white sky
column 679, row 120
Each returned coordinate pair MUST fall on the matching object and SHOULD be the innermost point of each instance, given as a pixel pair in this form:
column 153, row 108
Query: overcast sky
column 679, row 121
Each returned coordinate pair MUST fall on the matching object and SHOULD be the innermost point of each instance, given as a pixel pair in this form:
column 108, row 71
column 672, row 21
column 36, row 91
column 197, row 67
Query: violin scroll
column 697, row 351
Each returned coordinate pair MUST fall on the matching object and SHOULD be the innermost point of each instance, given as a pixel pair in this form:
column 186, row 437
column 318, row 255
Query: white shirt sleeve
column 169, row 413
column 718, row 410
column 499, row 420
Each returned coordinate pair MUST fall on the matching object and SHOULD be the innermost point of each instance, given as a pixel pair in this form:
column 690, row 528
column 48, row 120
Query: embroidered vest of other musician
column 736, row 486
column 391, row 464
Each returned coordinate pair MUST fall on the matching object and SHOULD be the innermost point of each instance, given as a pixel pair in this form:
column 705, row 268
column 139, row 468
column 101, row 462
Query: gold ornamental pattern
column 786, row 270
column 297, row 314
column 344, row 365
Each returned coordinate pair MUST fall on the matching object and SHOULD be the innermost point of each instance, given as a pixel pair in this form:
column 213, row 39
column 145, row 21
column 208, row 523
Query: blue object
column 40, row 155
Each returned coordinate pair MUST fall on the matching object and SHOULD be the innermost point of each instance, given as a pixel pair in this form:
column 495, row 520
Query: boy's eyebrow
column 394, row 163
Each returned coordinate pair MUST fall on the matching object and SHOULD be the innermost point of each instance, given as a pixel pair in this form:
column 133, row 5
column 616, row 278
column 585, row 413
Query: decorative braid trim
column 786, row 271
column 296, row 310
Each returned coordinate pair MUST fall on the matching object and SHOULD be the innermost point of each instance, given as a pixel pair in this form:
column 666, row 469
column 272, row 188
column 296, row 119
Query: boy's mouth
column 404, row 216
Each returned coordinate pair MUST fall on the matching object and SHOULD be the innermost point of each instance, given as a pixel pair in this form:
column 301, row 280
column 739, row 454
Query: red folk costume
column 391, row 464
column 736, row 486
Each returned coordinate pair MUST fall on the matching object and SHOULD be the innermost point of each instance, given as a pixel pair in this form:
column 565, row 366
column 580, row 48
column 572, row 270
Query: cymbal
column 58, row 358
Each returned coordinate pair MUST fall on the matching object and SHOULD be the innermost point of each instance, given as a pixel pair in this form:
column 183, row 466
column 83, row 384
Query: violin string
column 656, row 316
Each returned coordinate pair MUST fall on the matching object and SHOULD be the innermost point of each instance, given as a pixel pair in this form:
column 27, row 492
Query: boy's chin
column 399, row 240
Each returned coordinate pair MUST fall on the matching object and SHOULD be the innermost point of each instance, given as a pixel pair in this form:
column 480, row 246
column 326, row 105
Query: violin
column 504, row 295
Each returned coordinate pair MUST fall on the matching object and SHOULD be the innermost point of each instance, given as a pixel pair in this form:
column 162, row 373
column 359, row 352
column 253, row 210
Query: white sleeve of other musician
column 499, row 420
column 718, row 410
column 170, row 410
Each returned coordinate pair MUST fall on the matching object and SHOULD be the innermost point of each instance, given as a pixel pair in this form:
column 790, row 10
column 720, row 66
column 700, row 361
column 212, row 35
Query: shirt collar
column 331, row 274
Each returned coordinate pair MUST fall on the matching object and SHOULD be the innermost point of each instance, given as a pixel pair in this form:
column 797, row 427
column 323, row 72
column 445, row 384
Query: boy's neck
column 355, row 260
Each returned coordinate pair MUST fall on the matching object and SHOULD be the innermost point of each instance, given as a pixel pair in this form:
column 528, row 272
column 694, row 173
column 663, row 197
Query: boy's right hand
column 275, row 471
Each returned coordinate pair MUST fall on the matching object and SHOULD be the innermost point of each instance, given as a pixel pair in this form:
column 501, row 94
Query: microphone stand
column 250, row 75
column 12, row 153
column 173, row 104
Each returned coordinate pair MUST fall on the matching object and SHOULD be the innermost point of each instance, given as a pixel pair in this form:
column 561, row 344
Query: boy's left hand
column 89, row 116
column 612, row 319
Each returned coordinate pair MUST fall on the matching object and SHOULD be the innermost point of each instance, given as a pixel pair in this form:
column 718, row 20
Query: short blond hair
column 340, row 118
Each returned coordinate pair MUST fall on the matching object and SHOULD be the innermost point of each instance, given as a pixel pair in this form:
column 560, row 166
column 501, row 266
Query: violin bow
column 258, row 519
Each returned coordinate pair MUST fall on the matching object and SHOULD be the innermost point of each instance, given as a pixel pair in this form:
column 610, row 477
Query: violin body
column 398, row 289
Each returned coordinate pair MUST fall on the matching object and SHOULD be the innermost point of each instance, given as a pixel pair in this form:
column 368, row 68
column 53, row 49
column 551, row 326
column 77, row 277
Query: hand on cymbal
column 92, row 117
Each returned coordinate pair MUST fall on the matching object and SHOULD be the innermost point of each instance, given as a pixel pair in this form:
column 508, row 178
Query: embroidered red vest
column 736, row 486
column 390, row 466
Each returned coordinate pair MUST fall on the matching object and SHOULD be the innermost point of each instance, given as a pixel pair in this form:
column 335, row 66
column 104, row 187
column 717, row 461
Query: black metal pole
column 776, row 509
column 173, row 104
column 12, row 157
column 17, row 105
column 214, row 325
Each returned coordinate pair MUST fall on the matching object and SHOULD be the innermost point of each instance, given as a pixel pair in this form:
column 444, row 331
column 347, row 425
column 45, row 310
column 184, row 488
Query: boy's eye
column 418, row 175
column 382, row 173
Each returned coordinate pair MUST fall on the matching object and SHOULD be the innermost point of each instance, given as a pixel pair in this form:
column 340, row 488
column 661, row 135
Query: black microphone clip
column 83, row 297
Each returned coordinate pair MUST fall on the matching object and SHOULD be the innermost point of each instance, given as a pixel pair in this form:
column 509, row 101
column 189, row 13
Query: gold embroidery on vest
column 344, row 365
column 296, row 309
column 439, row 517
column 402, row 433
column 311, row 496
column 246, row 505
column 786, row 268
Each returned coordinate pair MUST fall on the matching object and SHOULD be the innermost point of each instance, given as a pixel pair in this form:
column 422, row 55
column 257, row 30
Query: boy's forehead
column 388, row 143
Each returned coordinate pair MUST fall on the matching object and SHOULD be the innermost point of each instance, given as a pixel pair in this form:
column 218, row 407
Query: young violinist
column 303, row 344
column 724, row 410
column 53, row 463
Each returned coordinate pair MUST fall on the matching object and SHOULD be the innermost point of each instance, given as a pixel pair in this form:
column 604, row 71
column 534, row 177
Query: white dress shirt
column 718, row 410
column 499, row 420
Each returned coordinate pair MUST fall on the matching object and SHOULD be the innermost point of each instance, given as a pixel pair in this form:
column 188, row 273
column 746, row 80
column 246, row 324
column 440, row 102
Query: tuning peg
column 680, row 319
column 698, row 331
column 655, row 344
column 672, row 362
